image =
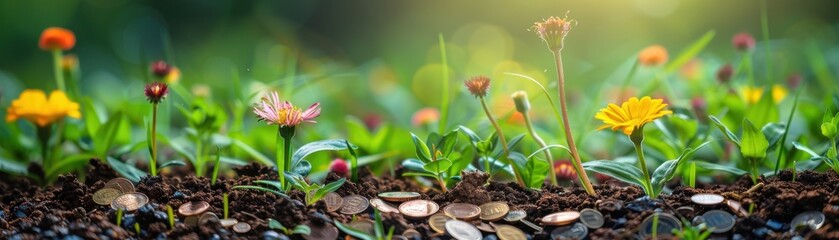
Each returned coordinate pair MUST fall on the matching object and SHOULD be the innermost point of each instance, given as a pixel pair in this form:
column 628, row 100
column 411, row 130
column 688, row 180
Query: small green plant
column 216, row 166
column 119, row 217
column 137, row 228
column 155, row 92
column 829, row 130
column 436, row 158
column 754, row 143
column 301, row 229
column 314, row 191
column 691, row 232
column 225, row 203
column 378, row 229
column 171, row 215
column 487, row 151
column 353, row 162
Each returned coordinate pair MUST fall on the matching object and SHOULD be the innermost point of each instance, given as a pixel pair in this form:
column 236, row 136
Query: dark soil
column 66, row 209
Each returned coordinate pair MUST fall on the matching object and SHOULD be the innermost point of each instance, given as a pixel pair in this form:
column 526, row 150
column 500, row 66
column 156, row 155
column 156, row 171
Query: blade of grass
column 781, row 147
column 444, row 104
column 764, row 24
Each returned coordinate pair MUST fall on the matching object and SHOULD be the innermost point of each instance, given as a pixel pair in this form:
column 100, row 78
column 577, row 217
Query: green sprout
column 523, row 107
column 225, row 203
column 171, row 215
column 216, row 167
column 378, row 229
column 119, row 216
column 691, row 232
column 301, row 229
column 137, row 228
column 435, row 159
column 753, row 145
column 314, row 191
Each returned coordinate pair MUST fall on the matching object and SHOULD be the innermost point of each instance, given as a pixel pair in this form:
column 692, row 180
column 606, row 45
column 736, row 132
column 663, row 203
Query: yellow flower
column 33, row 105
column 752, row 95
column 632, row 114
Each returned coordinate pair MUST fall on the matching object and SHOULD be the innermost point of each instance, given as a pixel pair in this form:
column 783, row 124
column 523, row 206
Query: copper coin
column 462, row 211
column 318, row 232
column 418, row 208
column 561, row 218
column 241, row 227
column 493, row 211
column 507, row 232
column 484, row 227
column 364, row 225
column 354, row 204
column 193, row 208
column 333, row 201
column 438, row 222
column 399, row 196
column 515, row 215
column 130, row 201
column 106, row 196
column 461, row 230
column 122, row 184
column 228, row 222
column 207, row 217
column 412, row 234
column 707, row 199
column 383, row 206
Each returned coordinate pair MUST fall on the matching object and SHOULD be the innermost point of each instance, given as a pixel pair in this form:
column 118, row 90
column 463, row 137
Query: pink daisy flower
column 284, row 114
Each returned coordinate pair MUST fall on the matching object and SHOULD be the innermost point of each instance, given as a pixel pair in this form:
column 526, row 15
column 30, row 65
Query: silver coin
column 461, row 230
column 666, row 224
column 686, row 211
column 591, row 218
column 812, row 219
column 721, row 221
column 574, row 231
column 707, row 199
column 515, row 215
column 532, row 225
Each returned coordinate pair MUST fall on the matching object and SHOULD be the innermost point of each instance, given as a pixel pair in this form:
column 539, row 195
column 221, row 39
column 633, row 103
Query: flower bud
column 156, row 91
column 160, row 68
column 724, row 73
column 520, row 99
column 653, row 55
column 340, row 167
column 743, row 41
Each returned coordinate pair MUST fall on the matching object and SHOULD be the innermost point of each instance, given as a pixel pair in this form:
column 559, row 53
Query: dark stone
column 760, row 232
column 776, row 225
column 270, row 235
column 71, row 237
column 620, row 222
column 490, row 237
column 161, row 215
column 178, row 195
column 146, row 210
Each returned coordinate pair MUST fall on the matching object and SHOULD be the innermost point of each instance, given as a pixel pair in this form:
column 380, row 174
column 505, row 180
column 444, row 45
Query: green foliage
column 436, row 158
column 300, row 166
column 170, row 214
column 754, row 143
column 378, row 229
column 691, row 232
column 314, row 191
column 301, row 229
column 216, row 167
column 532, row 169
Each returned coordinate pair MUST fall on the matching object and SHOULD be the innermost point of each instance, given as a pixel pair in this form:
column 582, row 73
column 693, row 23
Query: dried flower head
column 54, row 38
column 478, row 85
column 632, row 114
column 553, row 31
column 284, row 114
column 654, row 55
column 160, row 68
column 743, row 41
column 33, row 105
column 724, row 73
column 425, row 116
column 156, row 91
column 520, row 99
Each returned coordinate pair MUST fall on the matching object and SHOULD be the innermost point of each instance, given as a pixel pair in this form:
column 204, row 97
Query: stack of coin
column 399, row 196
column 462, row 211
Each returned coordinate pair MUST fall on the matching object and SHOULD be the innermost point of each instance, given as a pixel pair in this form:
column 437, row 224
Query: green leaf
column 447, row 143
column 622, row 171
column 419, row 174
column 773, row 133
column 754, row 143
column 274, row 224
column 107, row 133
column 128, row 171
column 353, row 161
column 439, row 166
column 313, row 147
column 535, row 172
column 302, row 168
column 10, row 166
column 260, row 188
column 172, row 163
column 302, row 230
column 354, row 232
column 719, row 167
column 91, row 118
column 474, row 138
column 728, row 134
column 272, row 183
column 422, row 150
column 413, row 165
column 667, row 170
column 690, row 52
column 549, row 147
column 328, row 188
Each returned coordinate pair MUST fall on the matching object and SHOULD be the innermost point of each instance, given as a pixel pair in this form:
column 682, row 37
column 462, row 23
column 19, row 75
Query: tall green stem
column 753, row 162
column 578, row 164
column 284, row 163
column 44, row 137
column 444, row 104
column 542, row 144
column 59, row 73
column 501, row 138
column 637, row 138
column 153, row 141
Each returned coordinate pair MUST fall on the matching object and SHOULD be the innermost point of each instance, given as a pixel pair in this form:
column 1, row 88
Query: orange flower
column 653, row 55
column 478, row 85
column 33, row 105
column 425, row 116
column 57, row 38
column 632, row 114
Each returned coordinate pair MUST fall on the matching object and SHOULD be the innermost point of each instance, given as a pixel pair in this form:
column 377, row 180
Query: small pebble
column 737, row 236
column 270, row 235
column 178, row 195
column 49, row 234
column 146, row 210
column 215, row 237
column 620, row 222
column 71, row 237
column 490, row 237
column 128, row 221
column 160, row 215
column 2, row 214
column 760, row 232
column 776, row 225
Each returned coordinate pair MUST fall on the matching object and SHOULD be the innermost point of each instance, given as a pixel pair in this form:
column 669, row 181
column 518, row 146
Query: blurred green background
column 382, row 58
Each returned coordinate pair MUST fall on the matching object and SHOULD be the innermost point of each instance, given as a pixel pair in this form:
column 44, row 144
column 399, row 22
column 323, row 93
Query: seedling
column 378, row 229
column 225, row 202
column 353, row 161
column 171, row 215
column 301, row 229
column 436, row 158
column 314, row 191
column 691, row 232
column 155, row 92
column 216, row 166
column 487, row 150
column 137, row 228
column 119, row 217
column 523, row 107
column 754, row 143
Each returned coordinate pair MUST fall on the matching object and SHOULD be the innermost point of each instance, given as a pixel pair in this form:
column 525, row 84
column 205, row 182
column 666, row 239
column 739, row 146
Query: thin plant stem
column 501, row 138
column 764, row 24
column 280, row 163
column 199, row 150
column 781, row 148
column 755, row 174
column 59, row 72
column 444, row 104
column 637, row 139
column 44, row 137
column 541, row 144
column 153, row 141
column 692, row 181
column 578, row 164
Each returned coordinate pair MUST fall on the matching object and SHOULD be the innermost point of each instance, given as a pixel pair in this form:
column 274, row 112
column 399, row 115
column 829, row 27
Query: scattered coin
column 608, row 205
column 383, row 206
column 241, row 227
column 106, row 196
column 462, row 211
column 666, row 224
column 532, row 225
column 698, row 220
column 191, row 221
column 484, row 227
column 207, row 217
column 418, row 208
column 130, row 201
column 686, row 211
column 438, row 222
column 736, row 207
column 721, row 221
column 122, row 184
column 228, row 222
column 515, row 215
column 354, row 204
column 575, row 231
column 507, row 232
column 412, row 234
column 591, row 218
column 193, row 208
column 461, row 230
column 399, row 196
column 364, row 225
column 812, row 219
column 561, row 218
column 493, row 211
column 707, row 199
column 318, row 232
column 333, row 201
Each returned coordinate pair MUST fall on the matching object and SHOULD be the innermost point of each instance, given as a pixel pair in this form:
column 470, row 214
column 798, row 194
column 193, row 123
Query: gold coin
column 241, row 227
column 333, row 201
column 561, row 218
column 228, row 222
column 438, row 222
column 106, row 196
column 399, row 196
column 462, row 211
column 122, row 184
column 193, row 208
column 130, row 201
column 418, row 208
column 383, row 206
column 191, row 221
column 507, row 232
column 484, row 227
column 493, row 211
column 354, row 204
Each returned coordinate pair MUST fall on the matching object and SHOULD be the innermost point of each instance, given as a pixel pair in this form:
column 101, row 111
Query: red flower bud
column 743, row 41
column 340, row 167
column 724, row 73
